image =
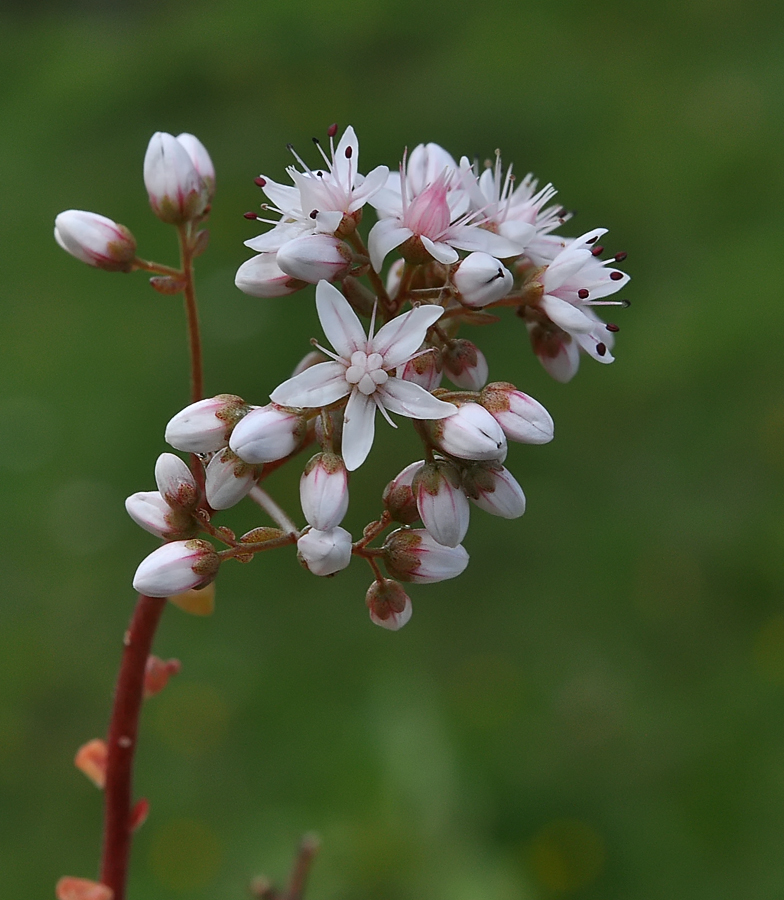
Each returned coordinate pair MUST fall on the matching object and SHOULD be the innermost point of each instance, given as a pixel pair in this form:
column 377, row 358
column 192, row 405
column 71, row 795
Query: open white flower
column 363, row 369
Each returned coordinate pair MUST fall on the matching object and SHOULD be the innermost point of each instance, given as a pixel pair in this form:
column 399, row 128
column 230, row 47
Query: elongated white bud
column 152, row 513
column 206, row 425
column 398, row 496
column 465, row 365
column 388, row 603
column 200, row 159
column 175, row 482
column 494, row 489
column 325, row 552
column 228, row 479
column 323, row 491
column 472, row 433
column 411, row 554
column 261, row 276
column 95, row 240
column 176, row 190
column 176, row 567
column 267, row 434
column 443, row 507
column 481, row 279
column 522, row 418
column 314, row 257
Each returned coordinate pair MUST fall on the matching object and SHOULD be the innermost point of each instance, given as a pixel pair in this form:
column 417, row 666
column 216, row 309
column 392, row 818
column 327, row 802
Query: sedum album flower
column 442, row 505
column 472, row 433
column 325, row 552
column 176, row 190
column 363, row 369
column 228, row 479
column 388, row 604
column 95, row 240
column 323, row 491
column 522, row 418
column 494, row 489
column 261, row 276
column 206, row 425
column 411, row 554
column 480, row 279
column 176, row 567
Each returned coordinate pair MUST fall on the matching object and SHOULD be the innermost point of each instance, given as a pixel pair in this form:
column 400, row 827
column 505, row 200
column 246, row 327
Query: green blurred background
column 594, row 710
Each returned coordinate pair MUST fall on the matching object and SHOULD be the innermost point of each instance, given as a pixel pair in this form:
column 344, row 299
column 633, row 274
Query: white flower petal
column 373, row 183
column 401, row 337
column 359, row 423
column 340, row 323
column 343, row 165
column 384, row 236
column 319, row 385
column 440, row 251
column 409, row 399
column 566, row 316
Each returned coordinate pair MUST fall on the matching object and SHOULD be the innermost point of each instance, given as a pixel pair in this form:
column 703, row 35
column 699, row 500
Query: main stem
column 123, row 730
column 129, row 692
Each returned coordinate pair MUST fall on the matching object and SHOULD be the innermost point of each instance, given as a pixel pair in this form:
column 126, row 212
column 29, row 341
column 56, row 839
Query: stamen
column 611, row 326
column 597, row 250
column 582, row 294
column 622, row 303
column 315, row 343
column 260, row 182
column 250, row 215
column 601, row 348
column 383, row 410
column 332, row 130
column 620, row 257
column 616, row 276
column 313, row 213
column 593, row 240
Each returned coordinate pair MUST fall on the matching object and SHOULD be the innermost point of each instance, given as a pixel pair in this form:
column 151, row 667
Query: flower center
column 365, row 371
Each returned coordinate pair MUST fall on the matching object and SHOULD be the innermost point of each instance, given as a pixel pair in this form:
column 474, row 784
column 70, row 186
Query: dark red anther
column 611, row 326
column 316, row 141
column 582, row 294
column 250, row 215
column 597, row 250
column 313, row 213
column 332, row 130
column 593, row 239
column 601, row 349
column 349, row 152
column 616, row 276
column 620, row 257
column 260, row 182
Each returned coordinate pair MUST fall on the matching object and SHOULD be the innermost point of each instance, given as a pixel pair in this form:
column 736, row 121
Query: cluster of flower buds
column 468, row 242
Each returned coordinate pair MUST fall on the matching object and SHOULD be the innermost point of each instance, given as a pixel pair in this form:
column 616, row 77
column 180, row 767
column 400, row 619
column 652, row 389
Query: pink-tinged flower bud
column 157, row 673
column 266, row 434
column 323, row 491
column 70, row 888
column 206, row 426
column 389, row 605
column 200, row 159
column 411, row 554
column 175, row 482
column 228, row 479
column 152, row 513
column 95, row 240
column 314, row 257
column 522, row 418
column 325, row 552
column 176, row 567
column 261, row 276
column 472, row 433
column 555, row 349
column 424, row 369
column 91, row 759
column 176, row 190
column 398, row 496
column 465, row 365
column 494, row 489
column 443, row 507
column 480, row 279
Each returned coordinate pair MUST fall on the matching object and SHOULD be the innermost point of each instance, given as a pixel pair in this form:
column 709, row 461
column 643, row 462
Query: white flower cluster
column 467, row 242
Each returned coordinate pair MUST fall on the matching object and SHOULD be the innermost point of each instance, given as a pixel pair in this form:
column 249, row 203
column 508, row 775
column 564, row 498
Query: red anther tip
column 582, row 294
column 313, row 213
column 611, row 326
column 349, row 152
column 332, row 130
column 249, row 215
column 260, row 182
column 597, row 250
column 620, row 257
column 616, row 276
column 601, row 349
column 593, row 239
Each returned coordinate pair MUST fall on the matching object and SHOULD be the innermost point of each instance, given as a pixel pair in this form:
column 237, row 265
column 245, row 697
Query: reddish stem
column 123, row 729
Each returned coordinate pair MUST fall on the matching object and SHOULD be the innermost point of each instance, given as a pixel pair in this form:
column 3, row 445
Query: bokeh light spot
column 191, row 718
column 185, row 854
column 566, row 855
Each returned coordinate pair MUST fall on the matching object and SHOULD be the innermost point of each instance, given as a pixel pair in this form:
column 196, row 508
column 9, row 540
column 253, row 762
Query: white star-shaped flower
column 363, row 369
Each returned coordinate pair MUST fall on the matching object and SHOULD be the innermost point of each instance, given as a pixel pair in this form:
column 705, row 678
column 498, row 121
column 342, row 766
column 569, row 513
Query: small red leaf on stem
column 139, row 813
column 91, row 759
column 157, row 674
column 69, row 888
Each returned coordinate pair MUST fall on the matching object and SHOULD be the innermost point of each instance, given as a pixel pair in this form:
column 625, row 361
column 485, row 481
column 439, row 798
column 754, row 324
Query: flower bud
column 266, row 434
column 175, row 482
column 200, row 159
column 175, row 188
column 228, row 479
column 205, row 426
column 424, row 369
column 152, row 513
column 494, row 489
column 176, row 567
column 411, row 554
column 389, row 605
column 325, row 552
column 465, row 365
column 323, row 491
column 95, row 240
column 70, row 888
column 261, row 276
column 443, row 507
column 522, row 418
column 481, row 279
column 398, row 496
column 314, row 257
column 472, row 433
column 91, row 759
